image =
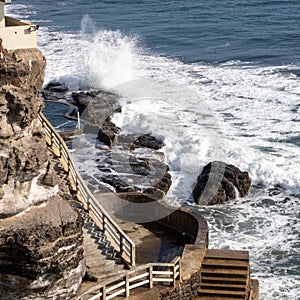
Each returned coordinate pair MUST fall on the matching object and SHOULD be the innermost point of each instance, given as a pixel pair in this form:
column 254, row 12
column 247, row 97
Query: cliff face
column 41, row 253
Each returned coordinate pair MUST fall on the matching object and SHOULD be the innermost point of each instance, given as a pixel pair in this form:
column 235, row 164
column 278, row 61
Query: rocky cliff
column 41, row 252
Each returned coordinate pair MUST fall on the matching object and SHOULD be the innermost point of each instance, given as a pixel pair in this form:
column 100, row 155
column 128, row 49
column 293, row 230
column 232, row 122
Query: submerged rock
column 220, row 182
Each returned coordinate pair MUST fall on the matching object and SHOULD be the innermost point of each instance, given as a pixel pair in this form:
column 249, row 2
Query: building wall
column 17, row 37
column 2, row 19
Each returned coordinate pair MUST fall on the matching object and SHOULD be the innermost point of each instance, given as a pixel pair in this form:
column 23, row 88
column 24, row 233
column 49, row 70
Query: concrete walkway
column 154, row 242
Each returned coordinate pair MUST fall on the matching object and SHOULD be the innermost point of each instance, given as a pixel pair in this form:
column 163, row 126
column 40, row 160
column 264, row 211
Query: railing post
column 174, row 275
column 132, row 255
column 88, row 204
column 121, row 244
column 104, row 293
column 59, row 149
column 150, row 277
column 127, row 285
column 51, row 138
column 103, row 223
column 179, row 264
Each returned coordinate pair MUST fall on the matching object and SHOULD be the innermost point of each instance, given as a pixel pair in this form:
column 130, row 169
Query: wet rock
column 126, row 170
column 96, row 106
column 55, row 91
column 220, row 182
column 56, row 87
column 149, row 141
column 108, row 133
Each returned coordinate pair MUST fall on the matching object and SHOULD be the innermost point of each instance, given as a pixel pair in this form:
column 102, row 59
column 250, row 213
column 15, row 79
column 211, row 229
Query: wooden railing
column 119, row 240
column 146, row 275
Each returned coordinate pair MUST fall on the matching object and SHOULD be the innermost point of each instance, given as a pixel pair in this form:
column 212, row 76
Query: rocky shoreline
column 218, row 183
column 41, row 237
column 137, row 157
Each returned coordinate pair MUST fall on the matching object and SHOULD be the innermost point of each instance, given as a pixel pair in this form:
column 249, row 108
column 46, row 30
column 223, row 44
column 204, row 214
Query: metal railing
column 146, row 275
column 119, row 240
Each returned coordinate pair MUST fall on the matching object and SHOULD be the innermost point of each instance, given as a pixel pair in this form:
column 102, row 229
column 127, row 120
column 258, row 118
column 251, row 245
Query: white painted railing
column 146, row 275
column 119, row 240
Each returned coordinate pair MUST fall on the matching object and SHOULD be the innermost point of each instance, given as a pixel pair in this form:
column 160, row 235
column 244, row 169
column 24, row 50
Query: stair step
column 222, row 293
column 222, row 279
column 225, row 263
column 211, row 297
column 223, row 286
column 222, row 272
column 227, row 254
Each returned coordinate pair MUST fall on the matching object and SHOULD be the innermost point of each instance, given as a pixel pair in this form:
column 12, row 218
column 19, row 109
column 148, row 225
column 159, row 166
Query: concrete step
column 102, row 260
column 100, row 264
column 231, row 272
column 226, row 263
column 224, row 286
column 227, row 254
column 221, row 293
column 221, row 279
column 212, row 297
column 224, row 275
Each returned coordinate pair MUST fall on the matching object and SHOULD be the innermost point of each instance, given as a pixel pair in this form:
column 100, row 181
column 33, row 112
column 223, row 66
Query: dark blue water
column 260, row 31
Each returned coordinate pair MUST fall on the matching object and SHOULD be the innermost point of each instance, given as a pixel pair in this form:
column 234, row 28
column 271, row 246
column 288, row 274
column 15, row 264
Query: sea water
column 217, row 80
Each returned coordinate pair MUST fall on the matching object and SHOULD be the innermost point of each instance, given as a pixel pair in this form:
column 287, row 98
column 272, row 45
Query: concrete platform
column 154, row 242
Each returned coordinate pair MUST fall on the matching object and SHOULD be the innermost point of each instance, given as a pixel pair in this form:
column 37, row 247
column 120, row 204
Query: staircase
column 101, row 258
column 224, row 275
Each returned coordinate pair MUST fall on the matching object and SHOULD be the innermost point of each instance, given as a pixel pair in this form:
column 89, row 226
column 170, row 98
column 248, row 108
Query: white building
column 16, row 34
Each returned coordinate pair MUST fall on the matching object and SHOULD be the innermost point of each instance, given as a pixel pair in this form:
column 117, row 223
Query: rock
column 141, row 141
column 149, row 141
column 41, row 252
column 55, row 91
column 108, row 133
column 41, row 243
column 220, row 182
column 55, row 86
column 126, row 170
column 96, row 106
column 96, row 109
column 50, row 178
column 21, row 78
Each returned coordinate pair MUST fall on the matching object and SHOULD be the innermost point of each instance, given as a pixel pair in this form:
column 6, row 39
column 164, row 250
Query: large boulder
column 220, row 182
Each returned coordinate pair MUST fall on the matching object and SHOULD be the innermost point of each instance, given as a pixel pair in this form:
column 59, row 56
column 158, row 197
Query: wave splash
column 110, row 57
column 256, row 107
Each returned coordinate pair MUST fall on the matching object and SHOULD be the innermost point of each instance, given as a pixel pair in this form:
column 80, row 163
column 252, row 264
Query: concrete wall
column 186, row 290
column 17, row 35
column 2, row 20
column 189, row 223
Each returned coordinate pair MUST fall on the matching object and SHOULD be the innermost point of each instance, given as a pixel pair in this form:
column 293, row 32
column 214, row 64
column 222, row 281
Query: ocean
column 217, row 80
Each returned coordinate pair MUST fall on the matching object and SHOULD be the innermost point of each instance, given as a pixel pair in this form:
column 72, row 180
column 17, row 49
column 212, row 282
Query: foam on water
column 240, row 113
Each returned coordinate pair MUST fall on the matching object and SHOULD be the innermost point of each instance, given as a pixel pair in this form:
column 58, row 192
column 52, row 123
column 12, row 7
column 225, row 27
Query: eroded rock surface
column 41, row 253
column 220, row 182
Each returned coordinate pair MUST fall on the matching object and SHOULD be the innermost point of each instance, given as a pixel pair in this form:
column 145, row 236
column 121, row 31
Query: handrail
column 148, row 274
column 119, row 240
